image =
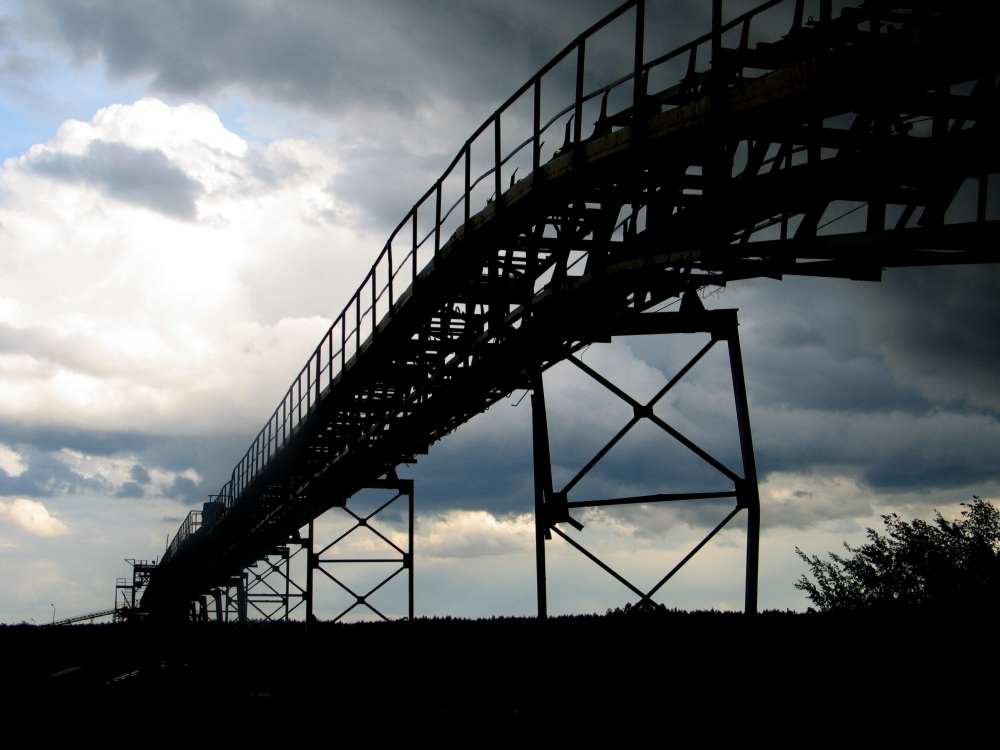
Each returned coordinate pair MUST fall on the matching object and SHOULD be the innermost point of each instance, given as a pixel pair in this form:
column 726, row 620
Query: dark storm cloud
column 14, row 64
column 130, row 489
column 186, row 490
column 91, row 442
column 321, row 55
column 373, row 183
column 46, row 475
column 141, row 177
column 139, row 475
column 330, row 55
column 212, row 457
column 939, row 328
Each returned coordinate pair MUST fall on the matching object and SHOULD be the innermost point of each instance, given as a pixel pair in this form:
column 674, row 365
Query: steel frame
column 553, row 507
column 270, row 592
column 732, row 172
column 128, row 591
column 316, row 561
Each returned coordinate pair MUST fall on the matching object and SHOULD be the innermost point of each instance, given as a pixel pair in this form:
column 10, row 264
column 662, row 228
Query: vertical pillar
column 747, row 493
column 309, row 576
column 241, row 597
column 288, row 582
column 410, row 551
column 543, row 484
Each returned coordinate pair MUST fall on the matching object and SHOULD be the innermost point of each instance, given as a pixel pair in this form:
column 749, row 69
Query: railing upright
column 497, row 157
column 437, row 225
column 581, row 61
column 468, row 182
column 536, row 148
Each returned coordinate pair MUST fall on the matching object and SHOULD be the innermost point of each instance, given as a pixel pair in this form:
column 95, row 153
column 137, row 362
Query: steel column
column 748, row 495
column 543, row 485
column 309, row 576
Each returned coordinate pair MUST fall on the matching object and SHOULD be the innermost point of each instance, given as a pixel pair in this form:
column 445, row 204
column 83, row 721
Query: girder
column 726, row 175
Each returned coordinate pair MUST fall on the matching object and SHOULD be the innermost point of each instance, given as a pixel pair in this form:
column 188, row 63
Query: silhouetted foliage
column 644, row 608
column 944, row 565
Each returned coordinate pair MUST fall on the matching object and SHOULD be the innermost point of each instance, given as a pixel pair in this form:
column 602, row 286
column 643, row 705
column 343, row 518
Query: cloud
column 185, row 489
column 327, row 56
column 139, row 474
column 11, row 462
column 130, row 489
column 142, row 177
column 107, row 313
column 937, row 330
column 33, row 517
column 474, row 534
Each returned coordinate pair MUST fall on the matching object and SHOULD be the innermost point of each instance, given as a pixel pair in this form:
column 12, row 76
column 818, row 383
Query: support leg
column 410, row 551
column 310, row 564
column 543, row 484
column 747, row 493
column 241, row 598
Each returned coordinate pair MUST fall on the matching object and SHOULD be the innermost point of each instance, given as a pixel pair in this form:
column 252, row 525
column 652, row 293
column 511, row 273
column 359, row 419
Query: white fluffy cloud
column 475, row 534
column 11, row 461
column 31, row 516
column 118, row 311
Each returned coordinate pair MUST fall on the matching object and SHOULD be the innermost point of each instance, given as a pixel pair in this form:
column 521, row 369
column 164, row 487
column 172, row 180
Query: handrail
column 295, row 407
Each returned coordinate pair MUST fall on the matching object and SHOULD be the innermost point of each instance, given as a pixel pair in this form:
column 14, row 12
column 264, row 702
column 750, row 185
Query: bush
column 944, row 565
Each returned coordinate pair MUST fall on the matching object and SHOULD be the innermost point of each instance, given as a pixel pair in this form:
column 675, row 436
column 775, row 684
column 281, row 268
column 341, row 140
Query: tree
column 944, row 565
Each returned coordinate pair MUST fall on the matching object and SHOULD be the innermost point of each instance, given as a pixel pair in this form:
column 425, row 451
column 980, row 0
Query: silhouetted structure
column 129, row 591
column 725, row 159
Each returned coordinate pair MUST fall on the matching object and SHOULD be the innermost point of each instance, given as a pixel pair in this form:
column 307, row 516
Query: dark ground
column 633, row 668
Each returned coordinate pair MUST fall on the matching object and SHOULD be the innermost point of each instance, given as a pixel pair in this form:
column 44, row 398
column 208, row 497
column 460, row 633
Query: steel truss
column 317, row 561
column 265, row 590
column 553, row 507
column 128, row 591
column 271, row 590
column 229, row 602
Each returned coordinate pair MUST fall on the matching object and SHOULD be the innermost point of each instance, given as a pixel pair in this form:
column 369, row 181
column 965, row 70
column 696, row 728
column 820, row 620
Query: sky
column 190, row 191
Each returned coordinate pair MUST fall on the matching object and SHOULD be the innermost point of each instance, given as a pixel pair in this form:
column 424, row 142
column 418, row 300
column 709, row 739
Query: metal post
column 468, row 183
column 716, row 34
column 536, row 147
column 581, row 62
column 288, row 584
column 747, row 494
column 310, row 563
column 241, row 598
column 638, row 91
column 497, row 157
column 543, row 484
column 411, row 552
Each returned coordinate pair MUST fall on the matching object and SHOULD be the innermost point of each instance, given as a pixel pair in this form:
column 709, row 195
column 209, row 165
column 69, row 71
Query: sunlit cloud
column 32, row 516
column 11, row 461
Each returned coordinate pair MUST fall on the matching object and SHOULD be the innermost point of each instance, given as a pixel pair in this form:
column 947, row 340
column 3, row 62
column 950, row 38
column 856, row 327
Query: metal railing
column 418, row 238
column 189, row 526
